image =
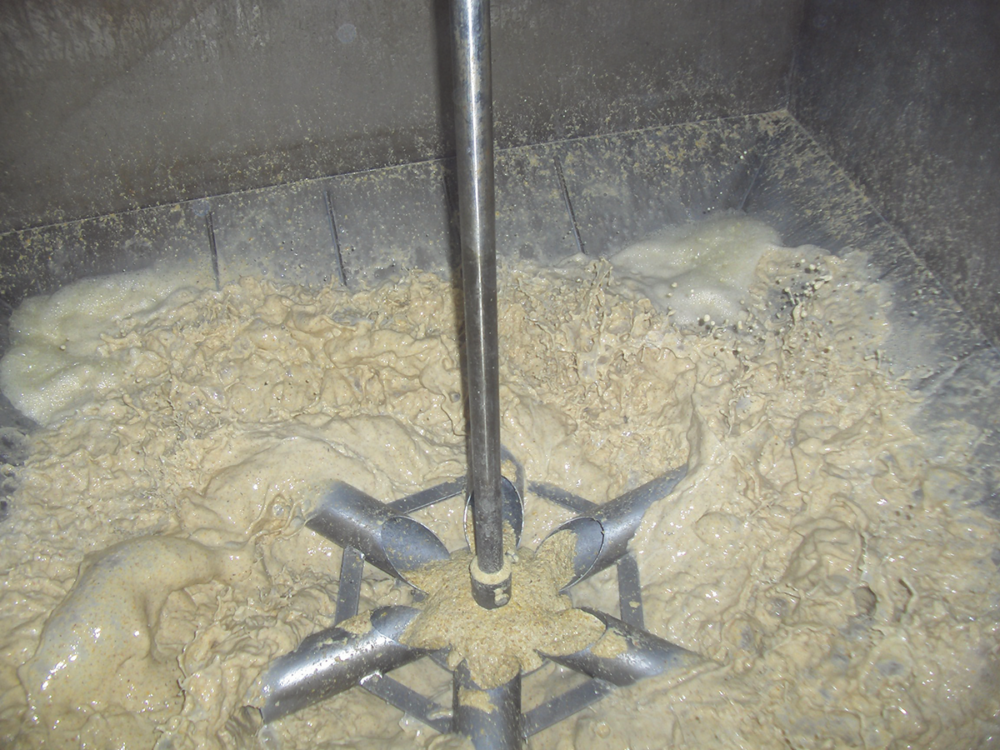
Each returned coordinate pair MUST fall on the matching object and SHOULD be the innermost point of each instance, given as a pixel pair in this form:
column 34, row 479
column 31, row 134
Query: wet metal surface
column 906, row 96
column 107, row 106
column 391, row 220
column 279, row 233
column 624, row 187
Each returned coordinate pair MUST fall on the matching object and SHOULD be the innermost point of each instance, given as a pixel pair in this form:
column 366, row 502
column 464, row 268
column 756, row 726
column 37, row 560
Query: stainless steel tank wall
column 107, row 106
column 905, row 96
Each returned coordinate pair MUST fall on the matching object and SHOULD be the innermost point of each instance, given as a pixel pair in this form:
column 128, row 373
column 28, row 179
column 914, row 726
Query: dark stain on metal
column 569, row 204
column 213, row 250
column 338, row 257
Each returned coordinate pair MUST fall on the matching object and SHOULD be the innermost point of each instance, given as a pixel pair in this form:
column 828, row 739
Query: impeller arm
column 625, row 655
column 391, row 542
column 336, row 659
column 601, row 536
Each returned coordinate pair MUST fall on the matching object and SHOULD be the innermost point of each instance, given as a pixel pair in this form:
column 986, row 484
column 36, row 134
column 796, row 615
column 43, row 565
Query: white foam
column 56, row 361
column 697, row 270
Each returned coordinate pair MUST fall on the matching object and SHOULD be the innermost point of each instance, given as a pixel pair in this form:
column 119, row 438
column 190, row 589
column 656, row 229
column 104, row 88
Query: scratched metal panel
column 41, row 260
column 108, row 106
column 624, row 187
column 392, row 220
column 533, row 218
column 282, row 233
column 905, row 95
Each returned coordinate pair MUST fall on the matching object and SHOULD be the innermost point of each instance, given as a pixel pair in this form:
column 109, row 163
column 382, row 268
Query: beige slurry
column 497, row 644
column 155, row 559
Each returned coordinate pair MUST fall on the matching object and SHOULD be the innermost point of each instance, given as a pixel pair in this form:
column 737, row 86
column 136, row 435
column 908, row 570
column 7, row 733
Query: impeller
column 363, row 650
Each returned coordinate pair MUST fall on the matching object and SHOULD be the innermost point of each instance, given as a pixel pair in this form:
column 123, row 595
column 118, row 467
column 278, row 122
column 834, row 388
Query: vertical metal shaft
column 474, row 137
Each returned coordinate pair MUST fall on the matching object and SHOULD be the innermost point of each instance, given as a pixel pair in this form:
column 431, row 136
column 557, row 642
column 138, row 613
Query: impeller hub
column 491, row 590
column 498, row 644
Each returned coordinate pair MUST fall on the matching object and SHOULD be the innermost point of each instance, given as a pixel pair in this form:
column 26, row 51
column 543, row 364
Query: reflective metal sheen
column 474, row 140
